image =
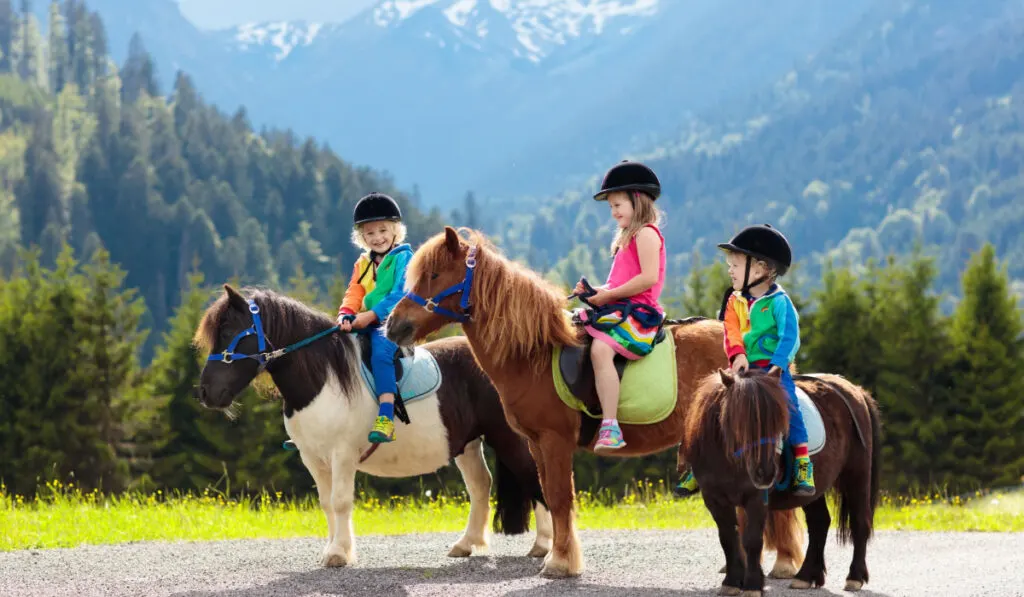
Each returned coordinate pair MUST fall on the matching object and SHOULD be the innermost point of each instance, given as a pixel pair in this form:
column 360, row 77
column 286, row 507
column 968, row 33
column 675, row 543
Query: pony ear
column 775, row 372
column 451, row 240
column 727, row 377
column 236, row 300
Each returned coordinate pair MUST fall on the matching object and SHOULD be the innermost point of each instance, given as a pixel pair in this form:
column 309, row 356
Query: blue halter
column 464, row 287
column 262, row 357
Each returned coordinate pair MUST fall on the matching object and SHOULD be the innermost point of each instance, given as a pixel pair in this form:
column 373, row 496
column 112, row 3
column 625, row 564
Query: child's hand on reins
column 601, row 297
column 364, row 319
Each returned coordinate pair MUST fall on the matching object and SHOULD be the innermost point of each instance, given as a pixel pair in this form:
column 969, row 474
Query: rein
column 464, row 287
column 262, row 357
column 761, row 442
column 265, row 358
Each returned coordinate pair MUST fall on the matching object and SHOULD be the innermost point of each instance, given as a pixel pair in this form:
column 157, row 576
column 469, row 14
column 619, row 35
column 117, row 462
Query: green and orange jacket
column 766, row 329
column 377, row 288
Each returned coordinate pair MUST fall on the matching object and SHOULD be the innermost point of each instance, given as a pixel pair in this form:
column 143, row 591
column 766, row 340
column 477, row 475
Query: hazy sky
column 212, row 14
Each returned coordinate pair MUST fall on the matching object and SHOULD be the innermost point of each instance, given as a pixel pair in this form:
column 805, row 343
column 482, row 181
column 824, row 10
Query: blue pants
column 797, row 431
column 382, row 361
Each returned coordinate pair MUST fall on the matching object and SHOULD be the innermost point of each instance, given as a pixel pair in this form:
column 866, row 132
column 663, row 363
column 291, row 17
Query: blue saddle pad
column 421, row 376
column 812, row 421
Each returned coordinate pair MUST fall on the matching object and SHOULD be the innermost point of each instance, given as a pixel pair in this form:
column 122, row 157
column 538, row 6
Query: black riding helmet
column 758, row 242
column 374, row 207
column 629, row 176
column 764, row 243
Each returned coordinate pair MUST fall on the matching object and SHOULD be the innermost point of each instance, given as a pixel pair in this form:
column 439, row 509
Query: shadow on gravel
column 376, row 581
column 575, row 587
column 369, row 581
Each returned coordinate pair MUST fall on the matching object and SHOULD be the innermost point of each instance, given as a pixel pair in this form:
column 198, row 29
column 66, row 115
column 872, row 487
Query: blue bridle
column 464, row 287
column 262, row 357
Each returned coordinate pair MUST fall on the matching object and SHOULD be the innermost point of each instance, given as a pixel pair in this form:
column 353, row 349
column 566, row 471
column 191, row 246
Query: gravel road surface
column 627, row 563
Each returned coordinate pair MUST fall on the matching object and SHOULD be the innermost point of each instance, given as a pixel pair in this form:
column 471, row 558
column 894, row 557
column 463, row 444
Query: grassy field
column 67, row 517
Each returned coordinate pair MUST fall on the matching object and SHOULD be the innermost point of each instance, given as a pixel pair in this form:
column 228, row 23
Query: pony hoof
column 727, row 590
column 800, row 584
column 549, row 571
column 538, row 551
column 556, row 569
column 722, row 570
column 332, row 559
column 853, row 585
column 750, row 594
column 459, row 551
column 783, row 570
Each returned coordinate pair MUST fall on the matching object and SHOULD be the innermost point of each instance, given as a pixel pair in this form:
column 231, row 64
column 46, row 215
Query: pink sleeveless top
column 626, row 265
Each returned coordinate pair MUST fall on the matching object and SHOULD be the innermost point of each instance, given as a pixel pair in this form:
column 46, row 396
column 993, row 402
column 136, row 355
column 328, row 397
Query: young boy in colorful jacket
column 377, row 284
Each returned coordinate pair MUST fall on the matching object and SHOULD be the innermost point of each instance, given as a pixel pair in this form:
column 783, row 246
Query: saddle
column 366, row 350
column 578, row 372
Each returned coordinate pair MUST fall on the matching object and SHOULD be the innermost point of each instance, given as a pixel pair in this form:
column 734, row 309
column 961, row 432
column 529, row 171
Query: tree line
column 76, row 403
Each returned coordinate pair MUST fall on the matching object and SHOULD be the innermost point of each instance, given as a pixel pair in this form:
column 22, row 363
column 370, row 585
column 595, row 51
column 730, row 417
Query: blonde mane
column 517, row 314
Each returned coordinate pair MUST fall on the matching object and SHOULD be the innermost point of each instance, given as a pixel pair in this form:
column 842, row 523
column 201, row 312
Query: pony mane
column 517, row 314
column 284, row 319
column 737, row 416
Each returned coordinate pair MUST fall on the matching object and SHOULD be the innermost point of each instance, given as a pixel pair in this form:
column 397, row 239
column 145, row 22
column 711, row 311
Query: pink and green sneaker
column 609, row 438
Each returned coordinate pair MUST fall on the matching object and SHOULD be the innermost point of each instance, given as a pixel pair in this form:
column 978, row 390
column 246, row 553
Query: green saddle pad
column 647, row 390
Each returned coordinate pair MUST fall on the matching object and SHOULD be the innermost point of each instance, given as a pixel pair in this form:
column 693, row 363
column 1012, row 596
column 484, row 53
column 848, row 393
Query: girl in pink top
column 629, row 314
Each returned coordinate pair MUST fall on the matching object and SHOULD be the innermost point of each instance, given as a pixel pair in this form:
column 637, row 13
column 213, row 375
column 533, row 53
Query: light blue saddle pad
column 812, row 421
column 421, row 376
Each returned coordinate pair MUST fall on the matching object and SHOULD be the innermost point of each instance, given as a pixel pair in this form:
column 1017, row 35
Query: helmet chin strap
column 747, row 284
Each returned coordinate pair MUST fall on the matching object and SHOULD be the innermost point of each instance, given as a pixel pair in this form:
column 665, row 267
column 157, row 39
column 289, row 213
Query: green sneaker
column 383, row 430
column 803, row 479
column 687, row 486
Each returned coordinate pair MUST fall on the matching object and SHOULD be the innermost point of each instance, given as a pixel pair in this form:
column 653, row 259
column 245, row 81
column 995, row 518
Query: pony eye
column 433, row 275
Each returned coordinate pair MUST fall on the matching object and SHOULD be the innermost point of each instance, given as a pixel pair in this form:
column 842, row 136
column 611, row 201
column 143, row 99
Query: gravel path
column 633, row 563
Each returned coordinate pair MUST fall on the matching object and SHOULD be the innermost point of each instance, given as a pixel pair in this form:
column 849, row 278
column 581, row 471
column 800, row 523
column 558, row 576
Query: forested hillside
column 97, row 156
column 907, row 131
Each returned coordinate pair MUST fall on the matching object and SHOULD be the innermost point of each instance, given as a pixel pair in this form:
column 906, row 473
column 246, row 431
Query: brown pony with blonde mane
column 730, row 443
column 516, row 319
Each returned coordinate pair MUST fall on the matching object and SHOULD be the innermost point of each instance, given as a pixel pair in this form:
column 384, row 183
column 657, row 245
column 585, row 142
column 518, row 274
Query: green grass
column 67, row 517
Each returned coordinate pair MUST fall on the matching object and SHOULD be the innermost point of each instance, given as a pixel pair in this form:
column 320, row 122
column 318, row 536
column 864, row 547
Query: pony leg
column 812, row 573
column 784, row 535
column 545, row 533
column 753, row 546
column 861, row 515
column 474, row 471
column 725, row 519
column 553, row 454
column 322, row 478
column 342, row 551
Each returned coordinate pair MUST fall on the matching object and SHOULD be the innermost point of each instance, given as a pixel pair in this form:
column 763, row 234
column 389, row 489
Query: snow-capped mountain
column 538, row 26
column 495, row 96
column 525, row 29
column 277, row 39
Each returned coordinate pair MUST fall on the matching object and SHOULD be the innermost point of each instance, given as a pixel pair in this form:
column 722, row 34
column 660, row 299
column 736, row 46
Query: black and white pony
column 329, row 408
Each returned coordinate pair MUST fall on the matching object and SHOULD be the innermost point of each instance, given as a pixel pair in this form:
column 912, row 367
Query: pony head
column 754, row 414
column 224, row 324
column 439, row 282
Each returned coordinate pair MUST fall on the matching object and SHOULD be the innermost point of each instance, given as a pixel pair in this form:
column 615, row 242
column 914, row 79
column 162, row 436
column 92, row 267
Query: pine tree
column 914, row 371
column 986, row 414
column 8, row 27
column 139, row 72
column 837, row 335
column 59, row 65
column 60, row 425
column 109, row 317
column 175, row 441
